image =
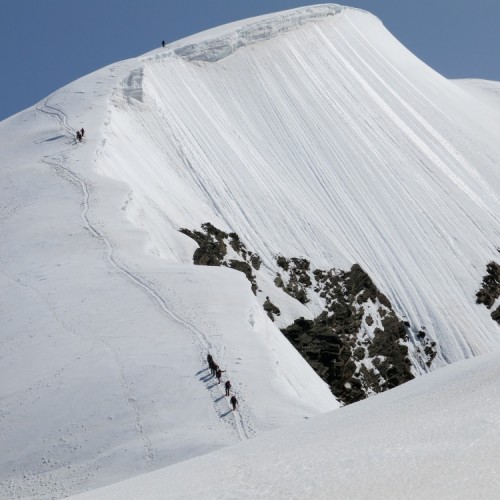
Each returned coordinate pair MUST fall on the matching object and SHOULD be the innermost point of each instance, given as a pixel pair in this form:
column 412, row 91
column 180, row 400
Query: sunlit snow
column 310, row 133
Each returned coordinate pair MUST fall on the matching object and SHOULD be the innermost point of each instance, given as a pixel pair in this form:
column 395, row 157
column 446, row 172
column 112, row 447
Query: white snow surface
column 486, row 90
column 310, row 133
column 433, row 438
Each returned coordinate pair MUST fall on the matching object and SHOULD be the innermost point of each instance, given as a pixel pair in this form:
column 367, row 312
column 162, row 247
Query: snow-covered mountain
column 340, row 190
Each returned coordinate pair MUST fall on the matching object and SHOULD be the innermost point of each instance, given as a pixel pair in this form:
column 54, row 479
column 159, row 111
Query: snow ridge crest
column 264, row 28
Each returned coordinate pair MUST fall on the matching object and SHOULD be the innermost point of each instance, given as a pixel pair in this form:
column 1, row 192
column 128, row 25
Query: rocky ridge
column 357, row 344
column 214, row 248
column 489, row 292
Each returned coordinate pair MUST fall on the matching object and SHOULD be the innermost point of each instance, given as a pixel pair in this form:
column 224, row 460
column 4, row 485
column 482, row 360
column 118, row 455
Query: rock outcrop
column 357, row 344
column 294, row 277
column 213, row 251
column 489, row 292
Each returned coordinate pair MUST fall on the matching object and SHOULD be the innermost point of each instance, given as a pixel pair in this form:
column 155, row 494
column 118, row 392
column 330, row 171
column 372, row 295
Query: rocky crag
column 214, row 248
column 357, row 344
column 489, row 292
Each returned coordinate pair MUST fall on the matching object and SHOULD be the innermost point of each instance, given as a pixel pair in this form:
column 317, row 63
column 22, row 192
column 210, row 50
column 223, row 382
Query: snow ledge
column 229, row 38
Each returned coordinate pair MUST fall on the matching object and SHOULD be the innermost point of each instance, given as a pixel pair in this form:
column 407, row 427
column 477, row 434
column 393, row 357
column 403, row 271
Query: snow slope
column 486, row 90
column 103, row 373
column 310, row 133
column 435, row 437
column 330, row 142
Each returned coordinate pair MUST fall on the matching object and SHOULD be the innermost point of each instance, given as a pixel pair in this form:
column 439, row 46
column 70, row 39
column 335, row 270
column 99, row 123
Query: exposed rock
column 255, row 261
column 212, row 251
column 212, row 230
column 295, row 278
column 212, row 248
column 340, row 343
column 430, row 352
column 340, row 349
column 496, row 315
column 235, row 242
column 396, row 366
column 282, row 262
column 359, row 353
column 243, row 267
column 490, row 289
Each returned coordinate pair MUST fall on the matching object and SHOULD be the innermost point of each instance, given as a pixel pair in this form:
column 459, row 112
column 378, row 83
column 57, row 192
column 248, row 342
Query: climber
column 234, row 402
column 213, row 368
column 218, row 374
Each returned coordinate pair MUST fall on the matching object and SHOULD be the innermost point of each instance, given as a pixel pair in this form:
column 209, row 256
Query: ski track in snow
column 240, row 423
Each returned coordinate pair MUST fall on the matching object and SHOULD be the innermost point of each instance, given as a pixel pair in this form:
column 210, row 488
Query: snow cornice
column 218, row 43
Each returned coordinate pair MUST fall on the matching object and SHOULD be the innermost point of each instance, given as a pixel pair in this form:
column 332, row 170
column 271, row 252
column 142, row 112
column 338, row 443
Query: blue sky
column 46, row 44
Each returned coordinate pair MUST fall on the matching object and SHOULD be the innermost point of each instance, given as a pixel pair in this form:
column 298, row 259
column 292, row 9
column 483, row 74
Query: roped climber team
column 217, row 372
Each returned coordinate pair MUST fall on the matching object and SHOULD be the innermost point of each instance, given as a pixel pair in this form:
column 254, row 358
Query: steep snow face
column 330, row 142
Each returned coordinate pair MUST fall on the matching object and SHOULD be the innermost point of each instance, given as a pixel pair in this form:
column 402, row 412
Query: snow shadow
column 207, row 377
column 55, row 138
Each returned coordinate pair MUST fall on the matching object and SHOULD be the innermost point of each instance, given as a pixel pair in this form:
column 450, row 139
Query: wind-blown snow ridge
column 134, row 278
column 235, row 35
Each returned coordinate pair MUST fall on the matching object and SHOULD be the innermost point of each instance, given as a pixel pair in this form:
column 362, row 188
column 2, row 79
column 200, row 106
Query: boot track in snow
column 204, row 342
